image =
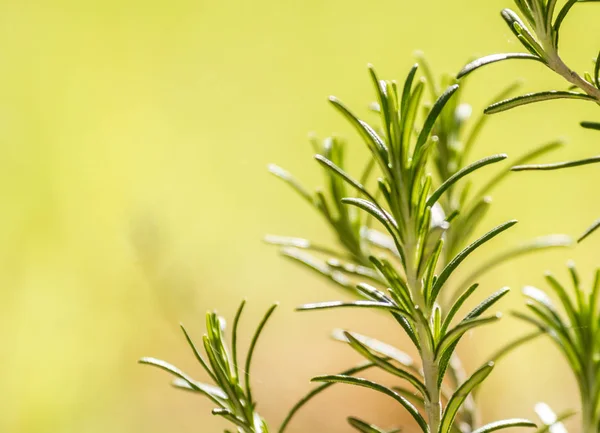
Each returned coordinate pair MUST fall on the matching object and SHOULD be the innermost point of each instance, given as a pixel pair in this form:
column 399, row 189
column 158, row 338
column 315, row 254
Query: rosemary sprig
column 452, row 206
column 576, row 333
column 408, row 208
column 232, row 393
column 538, row 30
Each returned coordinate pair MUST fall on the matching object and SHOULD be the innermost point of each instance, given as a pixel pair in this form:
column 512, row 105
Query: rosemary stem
column 556, row 63
column 433, row 404
column 559, row 66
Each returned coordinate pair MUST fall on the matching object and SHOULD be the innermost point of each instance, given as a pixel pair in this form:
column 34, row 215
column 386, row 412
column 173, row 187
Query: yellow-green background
column 134, row 140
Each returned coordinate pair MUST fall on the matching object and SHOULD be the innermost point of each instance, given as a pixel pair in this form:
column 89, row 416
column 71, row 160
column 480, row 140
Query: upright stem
column 589, row 422
column 587, row 414
column 433, row 404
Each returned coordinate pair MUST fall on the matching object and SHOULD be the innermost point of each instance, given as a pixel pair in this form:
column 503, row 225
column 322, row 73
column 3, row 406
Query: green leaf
column 444, row 363
column 487, row 60
column 411, row 396
column 597, row 72
column 539, row 297
column 535, row 245
column 526, row 10
column 197, row 354
column 451, row 267
column 456, row 306
column 487, row 303
column 508, row 348
column 253, row 342
column 385, row 365
column 432, row 117
column 220, row 361
column 372, row 293
column 341, row 173
column 299, row 243
column 530, row 98
column 380, row 388
column 380, row 214
column 513, row 20
column 368, row 134
column 460, row 395
column 557, row 166
column 462, row 173
column 319, row 389
column 398, row 288
column 431, row 81
column 215, row 394
column 342, row 304
column 377, row 346
column 355, row 270
column 292, row 182
column 236, row 322
column 591, row 125
column 589, row 231
column 565, row 300
column 408, row 328
column 520, row 30
column 406, row 92
column 318, row 266
column 483, row 119
column 410, row 114
column 507, row 423
column 468, row 222
column 535, row 153
column 363, row 427
column 561, row 17
column 455, row 334
column 230, row 416
column 559, row 332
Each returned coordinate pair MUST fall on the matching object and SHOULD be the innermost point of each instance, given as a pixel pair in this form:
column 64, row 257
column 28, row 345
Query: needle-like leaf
column 461, row 394
column 487, row 60
column 507, row 423
column 379, row 388
column 535, row 97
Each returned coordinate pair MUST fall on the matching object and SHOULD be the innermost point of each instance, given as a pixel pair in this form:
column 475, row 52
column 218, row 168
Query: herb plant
column 403, row 228
column 576, row 333
column 538, row 29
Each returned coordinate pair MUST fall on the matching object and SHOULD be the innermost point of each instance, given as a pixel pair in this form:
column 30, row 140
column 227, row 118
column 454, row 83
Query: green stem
column 433, row 403
column 556, row 63
column 588, row 414
column 558, row 66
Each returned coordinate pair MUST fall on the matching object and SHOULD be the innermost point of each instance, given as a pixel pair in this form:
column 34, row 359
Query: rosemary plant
column 576, row 332
column 233, row 393
column 458, row 208
column 402, row 271
column 538, row 29
column 403, row 229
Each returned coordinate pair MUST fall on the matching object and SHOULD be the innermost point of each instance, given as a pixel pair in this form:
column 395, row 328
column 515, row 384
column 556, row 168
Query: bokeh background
column 134, row 142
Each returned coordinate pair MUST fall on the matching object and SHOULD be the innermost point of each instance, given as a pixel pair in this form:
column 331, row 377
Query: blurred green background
column 135, row 136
